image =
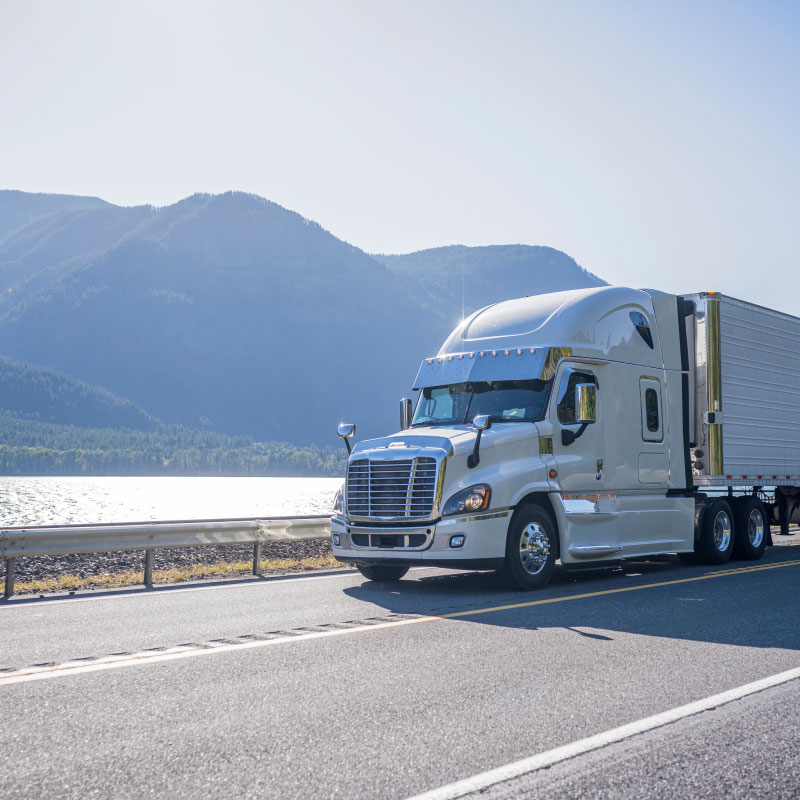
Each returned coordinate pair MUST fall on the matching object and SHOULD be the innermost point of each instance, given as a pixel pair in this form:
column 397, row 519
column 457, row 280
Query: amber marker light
column 553, row 473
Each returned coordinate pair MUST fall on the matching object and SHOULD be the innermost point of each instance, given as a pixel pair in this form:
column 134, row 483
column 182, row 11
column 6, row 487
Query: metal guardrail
column 49, row 540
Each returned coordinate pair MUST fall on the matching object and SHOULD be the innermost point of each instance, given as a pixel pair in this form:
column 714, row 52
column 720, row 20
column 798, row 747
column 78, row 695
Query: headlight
column 476, row 498
column 338, row 501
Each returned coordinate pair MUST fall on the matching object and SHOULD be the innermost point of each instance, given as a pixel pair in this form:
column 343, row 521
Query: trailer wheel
column 531, row 549
column 381, row 572
column 717, row 533
column 752, row 528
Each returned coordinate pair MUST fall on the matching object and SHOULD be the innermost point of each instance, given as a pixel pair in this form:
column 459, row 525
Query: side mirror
column 406, row 413
column 481, row 422
column 346, row 431
column 585, row 403
column 585, row 412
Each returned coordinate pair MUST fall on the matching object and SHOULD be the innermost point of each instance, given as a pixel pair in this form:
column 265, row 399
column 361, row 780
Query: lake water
column 51, row 500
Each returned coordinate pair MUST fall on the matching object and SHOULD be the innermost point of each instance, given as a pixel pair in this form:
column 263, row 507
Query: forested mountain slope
column 36, row 393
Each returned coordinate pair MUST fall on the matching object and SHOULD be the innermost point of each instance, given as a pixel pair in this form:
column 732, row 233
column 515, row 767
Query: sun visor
column 487, row 365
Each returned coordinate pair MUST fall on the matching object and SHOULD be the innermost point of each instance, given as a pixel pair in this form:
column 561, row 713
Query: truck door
column 589, row 522
column 580, row 463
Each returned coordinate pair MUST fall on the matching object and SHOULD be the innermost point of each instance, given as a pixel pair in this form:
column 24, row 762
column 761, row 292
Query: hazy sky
column 656, row 143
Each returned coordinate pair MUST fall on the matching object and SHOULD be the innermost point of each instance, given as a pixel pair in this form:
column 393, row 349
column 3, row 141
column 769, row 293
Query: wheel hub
column 722, row 531
column 755, row 527
column 534, row 548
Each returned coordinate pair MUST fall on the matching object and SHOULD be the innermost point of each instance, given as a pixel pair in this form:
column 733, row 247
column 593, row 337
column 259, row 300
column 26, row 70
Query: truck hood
column 456, row 440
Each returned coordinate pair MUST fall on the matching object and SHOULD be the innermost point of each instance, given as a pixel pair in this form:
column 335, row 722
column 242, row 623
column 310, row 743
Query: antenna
column 462, row 292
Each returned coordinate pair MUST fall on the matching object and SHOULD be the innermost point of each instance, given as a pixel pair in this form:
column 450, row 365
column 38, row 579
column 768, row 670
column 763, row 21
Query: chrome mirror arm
column 482, row 422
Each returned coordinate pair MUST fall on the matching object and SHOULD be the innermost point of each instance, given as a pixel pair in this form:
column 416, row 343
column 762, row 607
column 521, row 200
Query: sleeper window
column 651, row 409
column 650, row 396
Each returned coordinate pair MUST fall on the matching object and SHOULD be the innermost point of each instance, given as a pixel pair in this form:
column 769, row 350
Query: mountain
column 36, row 393
column 231, row 313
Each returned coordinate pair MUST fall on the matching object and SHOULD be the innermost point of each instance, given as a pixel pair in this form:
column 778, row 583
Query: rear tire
column 531, row 549
column 752, row 528
column 717, row 533
column 381, row 572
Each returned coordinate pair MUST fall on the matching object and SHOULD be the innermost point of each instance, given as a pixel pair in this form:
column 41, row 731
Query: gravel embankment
column 85, row 565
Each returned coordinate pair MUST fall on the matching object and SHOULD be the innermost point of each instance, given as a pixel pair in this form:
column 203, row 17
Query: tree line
column 29, row 447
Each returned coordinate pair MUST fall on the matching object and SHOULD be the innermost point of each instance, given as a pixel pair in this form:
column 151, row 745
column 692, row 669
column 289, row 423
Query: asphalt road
column 332, row 686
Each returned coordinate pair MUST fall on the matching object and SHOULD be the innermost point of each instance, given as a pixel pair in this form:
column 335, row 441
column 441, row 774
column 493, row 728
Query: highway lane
column 739, row 751
column 384, row 712
column 59, row 628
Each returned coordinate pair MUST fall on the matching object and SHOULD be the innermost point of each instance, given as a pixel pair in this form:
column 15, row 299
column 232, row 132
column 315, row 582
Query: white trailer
column 585, row 426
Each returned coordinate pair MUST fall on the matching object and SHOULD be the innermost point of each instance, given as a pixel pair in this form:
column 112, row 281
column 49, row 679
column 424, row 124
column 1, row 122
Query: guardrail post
column 148, row 568
column 257, row 559
column 10, row 565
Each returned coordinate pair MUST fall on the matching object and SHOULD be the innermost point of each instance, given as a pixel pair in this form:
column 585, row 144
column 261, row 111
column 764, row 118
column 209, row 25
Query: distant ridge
column 488, row 274
column 18, row 209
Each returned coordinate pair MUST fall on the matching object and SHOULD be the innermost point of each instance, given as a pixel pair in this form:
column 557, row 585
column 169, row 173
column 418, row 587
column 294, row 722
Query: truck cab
column 551, row 427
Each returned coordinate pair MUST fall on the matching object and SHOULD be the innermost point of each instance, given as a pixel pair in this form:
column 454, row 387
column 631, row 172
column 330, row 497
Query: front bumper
column 484, row 542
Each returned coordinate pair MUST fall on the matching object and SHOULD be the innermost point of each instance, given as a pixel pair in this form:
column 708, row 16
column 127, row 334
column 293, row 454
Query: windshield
column 503, row 401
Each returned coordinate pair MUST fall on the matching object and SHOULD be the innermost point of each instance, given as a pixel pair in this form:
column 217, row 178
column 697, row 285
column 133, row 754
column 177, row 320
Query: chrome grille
column 393, row 489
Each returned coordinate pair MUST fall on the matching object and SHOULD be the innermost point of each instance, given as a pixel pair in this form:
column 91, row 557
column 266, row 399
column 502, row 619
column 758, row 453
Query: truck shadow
column 744, row 609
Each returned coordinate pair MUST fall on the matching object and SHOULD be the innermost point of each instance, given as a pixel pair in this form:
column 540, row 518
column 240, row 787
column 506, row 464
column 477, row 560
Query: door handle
column 599, row 474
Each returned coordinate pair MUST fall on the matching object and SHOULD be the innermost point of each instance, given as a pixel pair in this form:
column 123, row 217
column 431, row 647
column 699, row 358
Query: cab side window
column 566, row 394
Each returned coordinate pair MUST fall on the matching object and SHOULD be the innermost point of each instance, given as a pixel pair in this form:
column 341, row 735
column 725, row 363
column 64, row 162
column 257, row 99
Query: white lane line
column 29, row 674
column 483, row 781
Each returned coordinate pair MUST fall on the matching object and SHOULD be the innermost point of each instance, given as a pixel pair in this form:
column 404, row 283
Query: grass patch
column 220, row 569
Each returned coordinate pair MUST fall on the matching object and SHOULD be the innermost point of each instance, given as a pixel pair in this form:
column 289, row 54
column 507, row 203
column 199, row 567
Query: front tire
column 717, row 533
column 381, row 572
column 752, row 528
column 531, row 549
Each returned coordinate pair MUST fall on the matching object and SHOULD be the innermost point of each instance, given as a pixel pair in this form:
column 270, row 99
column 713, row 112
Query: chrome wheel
column 755, row 527
column 534, row 548
column 722, row 531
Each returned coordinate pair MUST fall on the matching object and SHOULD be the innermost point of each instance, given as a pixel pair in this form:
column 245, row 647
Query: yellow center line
column 180, row 653
column 717, row 574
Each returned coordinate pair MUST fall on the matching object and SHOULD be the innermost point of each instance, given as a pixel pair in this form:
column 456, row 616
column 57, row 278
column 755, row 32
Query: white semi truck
column 585, row 426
